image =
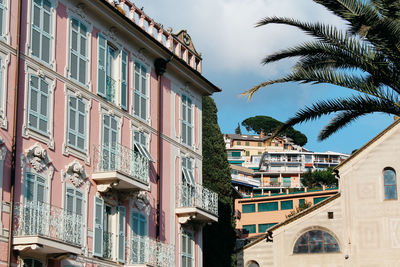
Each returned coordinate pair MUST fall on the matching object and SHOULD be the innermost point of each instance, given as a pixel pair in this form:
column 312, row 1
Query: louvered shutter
column 101, row 66
column 124, row 71
column 121, row 234
column 98, row 227
column 72, row 121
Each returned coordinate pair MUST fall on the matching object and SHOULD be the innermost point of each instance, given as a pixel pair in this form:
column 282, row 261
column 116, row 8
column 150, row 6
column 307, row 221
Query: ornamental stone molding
column 37, row 157
column 75, row 172
column 142, row 202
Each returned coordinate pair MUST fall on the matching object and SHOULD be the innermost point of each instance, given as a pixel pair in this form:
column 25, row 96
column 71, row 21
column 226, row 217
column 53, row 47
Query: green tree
column 318, row 178
column 299, row 209
column 219, row 238
column 268, row 124
column 365, row 58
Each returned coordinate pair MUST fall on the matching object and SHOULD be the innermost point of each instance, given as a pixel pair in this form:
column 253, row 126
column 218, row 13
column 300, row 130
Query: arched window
column 316, row 241
column 389, row 183
column 253, row 264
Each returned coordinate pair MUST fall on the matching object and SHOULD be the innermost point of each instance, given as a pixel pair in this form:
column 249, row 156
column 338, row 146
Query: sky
column 232, row 50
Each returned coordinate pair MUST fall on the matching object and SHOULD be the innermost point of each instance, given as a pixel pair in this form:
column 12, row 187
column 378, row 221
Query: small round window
column 316, row 241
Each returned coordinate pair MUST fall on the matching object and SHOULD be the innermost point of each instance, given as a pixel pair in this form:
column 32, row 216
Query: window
column 235, row 154
column 110, row 136
column 301, row 202
column 35, row 189
column 187, row 171
column 287, row 205
column 253, row 264
column 121, row 233
column 262, row 228
column 41, row 30
column 77, row 123
column 238, row 143
column 141, row 144
column 247, row 153
column 319, row 199
column 78, row 51
column 2, row 17
column 287, row 181
column 187, row 123
column 269, row 206
column 390, row 184
column 139, row 235
column 316, row 241
column 32, row 263
column 187, row 249
column 74, row 208
column 251, row 228
column 247, row 143
column 247, row 208
column 259, row 144
column 140, row 91
column 38, row 118
column 110, row 70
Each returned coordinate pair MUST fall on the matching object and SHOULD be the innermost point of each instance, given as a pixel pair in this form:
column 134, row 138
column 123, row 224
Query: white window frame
column 185, row 122
column 104, row 110
column 147, row 96
column 4, row 63
column 185, row 232
column 52, row 61
column 27, row 132
column 89, row 28
column 5, row 32
column 68, row 149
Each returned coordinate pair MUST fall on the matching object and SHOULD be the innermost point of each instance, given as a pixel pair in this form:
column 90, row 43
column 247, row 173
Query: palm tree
column 365, row 58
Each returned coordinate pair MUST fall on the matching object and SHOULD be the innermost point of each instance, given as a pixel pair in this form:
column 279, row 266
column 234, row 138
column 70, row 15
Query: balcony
column 120, row 168
column 245, row 180
column 145, row 251
column 46, row 229
column 196, row 203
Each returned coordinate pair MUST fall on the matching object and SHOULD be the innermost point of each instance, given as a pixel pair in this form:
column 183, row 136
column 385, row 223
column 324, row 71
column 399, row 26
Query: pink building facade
column 100, row 137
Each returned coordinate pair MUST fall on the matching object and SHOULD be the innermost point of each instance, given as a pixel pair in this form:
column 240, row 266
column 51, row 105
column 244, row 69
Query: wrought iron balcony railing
column 107, row 245
column 42, row 219
column 145, row 250
column 197, row 196
column 121, row 159
column 111, row 85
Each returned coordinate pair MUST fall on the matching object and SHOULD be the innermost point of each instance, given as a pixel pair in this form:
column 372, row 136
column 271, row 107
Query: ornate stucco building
column 100, row 137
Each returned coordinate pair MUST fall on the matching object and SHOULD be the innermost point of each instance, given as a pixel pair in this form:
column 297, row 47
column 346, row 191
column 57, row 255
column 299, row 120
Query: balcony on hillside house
column 145, row 251
column 45, row 229
column 121, row 168
column 196, row 203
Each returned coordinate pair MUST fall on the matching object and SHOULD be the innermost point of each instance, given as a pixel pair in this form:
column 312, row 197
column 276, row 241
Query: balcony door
column 73, row 220
column 139, row 238
column 110, row 136
column 35, row 209
column 111, row 73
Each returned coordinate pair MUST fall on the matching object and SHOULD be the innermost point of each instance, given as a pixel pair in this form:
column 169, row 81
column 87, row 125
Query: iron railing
column 122, row 159
column 107, row 245
column 197, row 196
column 145, row 250
column 42, row 219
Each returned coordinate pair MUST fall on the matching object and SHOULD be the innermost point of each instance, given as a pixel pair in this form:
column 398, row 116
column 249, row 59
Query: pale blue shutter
column 101, row 68
column 2, row 16
column 121, row 234
column 72, row 121
column 74, row 48
column 98, row 227
column 189, row 122
column 124, row 71
column 81, row 124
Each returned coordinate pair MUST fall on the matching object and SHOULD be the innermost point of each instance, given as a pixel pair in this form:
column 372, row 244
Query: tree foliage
column 268, row 124
column 318, row 178
column 364, row 58
column 219, row 238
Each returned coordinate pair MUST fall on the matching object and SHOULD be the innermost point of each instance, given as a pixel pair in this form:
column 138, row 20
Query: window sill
column 32, row 133
column 72, row 151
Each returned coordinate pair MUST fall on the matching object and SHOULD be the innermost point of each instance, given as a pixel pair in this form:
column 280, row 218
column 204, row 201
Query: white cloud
column 224, row 32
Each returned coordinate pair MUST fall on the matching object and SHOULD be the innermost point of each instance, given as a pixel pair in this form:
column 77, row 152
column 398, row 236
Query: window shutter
column 98, row 227
column 121, row 236
column 124, row 71
column 101, row 68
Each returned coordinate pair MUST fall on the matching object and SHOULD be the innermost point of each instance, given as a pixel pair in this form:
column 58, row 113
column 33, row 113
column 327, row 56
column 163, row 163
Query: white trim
column 146, row 120
column 6, row 36
column 31, row 133
column 28, row 49
column 5, row 62
column 3, row 153
column 66, row 148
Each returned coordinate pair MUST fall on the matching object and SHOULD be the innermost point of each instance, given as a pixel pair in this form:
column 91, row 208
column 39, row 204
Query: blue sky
column 232, row 49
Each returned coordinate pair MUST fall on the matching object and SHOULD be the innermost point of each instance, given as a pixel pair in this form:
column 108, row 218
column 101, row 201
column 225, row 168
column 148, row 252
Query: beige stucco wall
column 366, row 226
column 261, row 252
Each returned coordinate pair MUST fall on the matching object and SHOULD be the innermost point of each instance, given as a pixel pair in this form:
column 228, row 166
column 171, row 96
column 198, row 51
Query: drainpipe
column 14, row 132
column 160, row 66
